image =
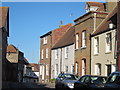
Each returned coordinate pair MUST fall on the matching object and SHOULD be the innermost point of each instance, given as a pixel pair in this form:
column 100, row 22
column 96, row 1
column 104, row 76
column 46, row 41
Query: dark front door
column 108, row 70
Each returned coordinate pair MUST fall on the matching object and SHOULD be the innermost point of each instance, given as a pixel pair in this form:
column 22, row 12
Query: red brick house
column 46, row 42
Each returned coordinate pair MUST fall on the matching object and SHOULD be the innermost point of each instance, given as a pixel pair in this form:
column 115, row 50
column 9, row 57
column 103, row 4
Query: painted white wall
column 102, row 57
column 62, row 61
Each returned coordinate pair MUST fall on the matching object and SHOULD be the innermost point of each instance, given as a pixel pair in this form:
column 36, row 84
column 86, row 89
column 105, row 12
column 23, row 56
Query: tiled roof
column 36, row 67
column 67, row 39
column 3, row 16
column 59, row 32
column 11, row 48
column 104, row 26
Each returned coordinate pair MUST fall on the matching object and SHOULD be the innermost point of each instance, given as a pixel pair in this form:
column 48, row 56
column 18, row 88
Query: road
column 31, row 86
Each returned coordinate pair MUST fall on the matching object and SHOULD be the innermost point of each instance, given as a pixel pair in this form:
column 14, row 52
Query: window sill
column 83, row 48
column 96, row 54
column 108, row 52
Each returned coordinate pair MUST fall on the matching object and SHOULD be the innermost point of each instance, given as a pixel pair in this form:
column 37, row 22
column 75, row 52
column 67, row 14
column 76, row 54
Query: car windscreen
column 114, row 78
column 97, row 80
column 70, row 77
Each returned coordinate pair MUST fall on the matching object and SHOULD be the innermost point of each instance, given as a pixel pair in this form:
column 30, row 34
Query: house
column 118, row 38
column 4, row 34
column 16, row 58
column 84, row 26
column 46, row 42
column 62, row 59
column 35, row 70
column 103, row 46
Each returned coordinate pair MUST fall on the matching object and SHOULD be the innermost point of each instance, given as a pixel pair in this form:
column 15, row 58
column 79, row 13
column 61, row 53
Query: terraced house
column 103, row 46
column 47, row 41
column 84, row 26
column 62, row 59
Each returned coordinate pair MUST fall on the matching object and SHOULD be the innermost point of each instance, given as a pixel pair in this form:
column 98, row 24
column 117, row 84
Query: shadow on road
column 26, row 86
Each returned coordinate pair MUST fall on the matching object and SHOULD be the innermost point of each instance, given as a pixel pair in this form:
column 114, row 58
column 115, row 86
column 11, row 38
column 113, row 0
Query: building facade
column 4, row 34
column 103, row 46
column 16, row 58
column 62, row 59
column 46, row 42
column 84, row 26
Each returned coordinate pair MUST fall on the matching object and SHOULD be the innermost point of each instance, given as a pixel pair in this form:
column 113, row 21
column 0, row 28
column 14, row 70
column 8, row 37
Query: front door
column 108, row 70
column 43, row 72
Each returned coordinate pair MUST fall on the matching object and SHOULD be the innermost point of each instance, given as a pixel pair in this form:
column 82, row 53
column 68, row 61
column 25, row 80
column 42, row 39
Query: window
column 98, row 69
column 84, row 39
column 47, row 69
column 45, row 40
column 42, row 52
column 56, row 69
column 108, row 42
column 66, row 52
column 72, row 68
column 96, row 45
column 46, row 52
column 56, row 54
column 83, row 66
column 76, row 68
column 77, row 40
column 66, row 69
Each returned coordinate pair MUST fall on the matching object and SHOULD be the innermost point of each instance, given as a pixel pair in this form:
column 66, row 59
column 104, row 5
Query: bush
column 53, row 80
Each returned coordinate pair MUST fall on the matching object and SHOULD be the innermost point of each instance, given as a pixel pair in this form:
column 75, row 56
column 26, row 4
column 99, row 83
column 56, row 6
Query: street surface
column 31, row 86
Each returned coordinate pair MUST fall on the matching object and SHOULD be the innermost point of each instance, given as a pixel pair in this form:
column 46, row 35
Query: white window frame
column 77, row 41
column 42, row 54
column 96, row 45
column 98, row 69
column 66, row 52
column 83, row 38
column 46, row 52
column 56, row 69
column 108, row 42
column 56, row 54
column 45, row 40
column 47, row 70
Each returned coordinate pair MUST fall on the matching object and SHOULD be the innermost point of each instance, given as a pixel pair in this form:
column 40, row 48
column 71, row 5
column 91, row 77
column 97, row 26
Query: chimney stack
column 60, row 23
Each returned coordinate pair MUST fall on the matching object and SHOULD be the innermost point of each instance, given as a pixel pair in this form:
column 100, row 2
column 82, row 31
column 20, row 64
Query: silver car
column 65, row 81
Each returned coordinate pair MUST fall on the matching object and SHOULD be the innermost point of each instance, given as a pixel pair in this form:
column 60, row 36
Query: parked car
column 113, row 80
column 90, row 81
column 65, row 81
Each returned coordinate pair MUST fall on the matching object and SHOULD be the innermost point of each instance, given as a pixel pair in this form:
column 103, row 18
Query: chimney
column 60, row 23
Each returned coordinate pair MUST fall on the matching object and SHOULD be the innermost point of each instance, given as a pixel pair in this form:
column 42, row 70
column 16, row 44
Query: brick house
column 46, row 42
column 84, row 26
column 16, row 58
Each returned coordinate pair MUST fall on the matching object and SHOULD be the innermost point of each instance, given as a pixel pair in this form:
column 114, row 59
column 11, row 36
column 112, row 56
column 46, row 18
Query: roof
column 11, row 48
column 36, row 67
column 97, row 4
column 67, row 39
column 59, row 32
column 86, row 14
column 26, row 61
column 46, row 34
column 104, row 25
column 3, row 16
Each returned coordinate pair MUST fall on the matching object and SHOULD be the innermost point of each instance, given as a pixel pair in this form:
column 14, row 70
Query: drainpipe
column 61, row 61
column 95, row 21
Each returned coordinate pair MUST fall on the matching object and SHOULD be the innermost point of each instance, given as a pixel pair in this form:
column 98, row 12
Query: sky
column 30, row 20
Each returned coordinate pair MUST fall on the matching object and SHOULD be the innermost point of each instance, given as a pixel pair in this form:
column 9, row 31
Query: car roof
column 95, row 75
